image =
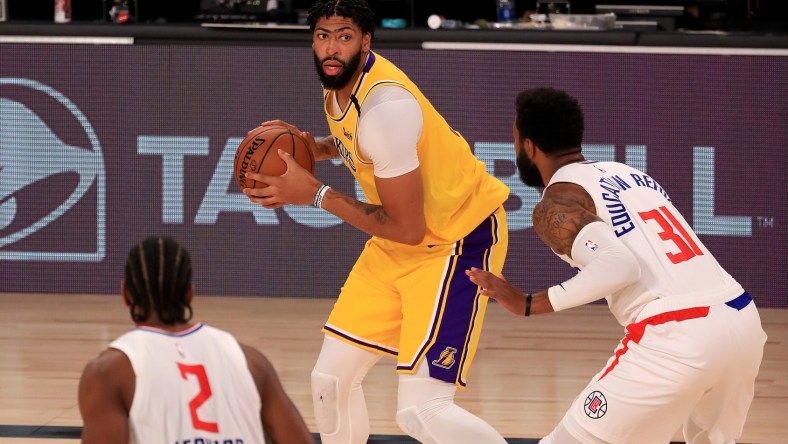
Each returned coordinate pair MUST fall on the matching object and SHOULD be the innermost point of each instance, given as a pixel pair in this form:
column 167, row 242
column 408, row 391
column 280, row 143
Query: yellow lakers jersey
column 458, row 191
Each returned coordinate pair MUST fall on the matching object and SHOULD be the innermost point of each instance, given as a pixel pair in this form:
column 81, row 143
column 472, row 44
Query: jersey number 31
column 672, row 230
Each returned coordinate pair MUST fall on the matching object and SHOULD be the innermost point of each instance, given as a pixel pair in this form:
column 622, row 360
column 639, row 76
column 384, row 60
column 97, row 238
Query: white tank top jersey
column 677, row 269
column 192, row 387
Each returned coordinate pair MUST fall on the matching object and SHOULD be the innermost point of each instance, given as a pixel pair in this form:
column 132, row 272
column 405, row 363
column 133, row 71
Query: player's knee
column 420, row 399
column 411, row 421
column 325, row 397
column 416, row 409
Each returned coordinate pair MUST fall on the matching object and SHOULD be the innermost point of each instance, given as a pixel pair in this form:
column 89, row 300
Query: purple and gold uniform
column 415, row 302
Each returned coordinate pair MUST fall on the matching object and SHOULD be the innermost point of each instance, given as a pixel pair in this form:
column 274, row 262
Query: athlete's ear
column 366, row 42
column 124, row 294
column 190, row 294
column 529, row 147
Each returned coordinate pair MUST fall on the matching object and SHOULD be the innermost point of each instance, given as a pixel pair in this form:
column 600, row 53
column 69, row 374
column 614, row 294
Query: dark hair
column 158, row 276
column 551, row 118
column 356, row 10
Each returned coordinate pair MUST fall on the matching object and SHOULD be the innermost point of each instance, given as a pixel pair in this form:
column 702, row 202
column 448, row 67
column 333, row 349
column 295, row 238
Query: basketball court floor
column 524, row 376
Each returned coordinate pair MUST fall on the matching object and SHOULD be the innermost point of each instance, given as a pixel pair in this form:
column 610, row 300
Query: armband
column 607, row 265
column 321, row 193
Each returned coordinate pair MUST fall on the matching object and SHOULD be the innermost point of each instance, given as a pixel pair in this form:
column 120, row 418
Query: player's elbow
column 414, row 238
column 630, row 270
column 619, row 265
column 413, row 234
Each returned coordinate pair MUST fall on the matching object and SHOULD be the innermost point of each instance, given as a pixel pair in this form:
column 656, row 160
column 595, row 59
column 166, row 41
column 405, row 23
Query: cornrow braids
column 158, row 277
column 356, row 10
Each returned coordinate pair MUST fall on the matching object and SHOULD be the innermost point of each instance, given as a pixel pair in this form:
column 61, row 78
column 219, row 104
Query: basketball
column 257, row 153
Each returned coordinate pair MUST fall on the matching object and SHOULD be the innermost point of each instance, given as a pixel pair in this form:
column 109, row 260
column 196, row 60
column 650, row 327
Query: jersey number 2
column 205, row 392
column 669, row 224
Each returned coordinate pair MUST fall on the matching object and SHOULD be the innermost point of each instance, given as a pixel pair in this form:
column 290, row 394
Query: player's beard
column 529, row 173
column 344, row 77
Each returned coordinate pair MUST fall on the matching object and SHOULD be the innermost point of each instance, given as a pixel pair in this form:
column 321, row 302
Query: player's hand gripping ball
column 257, row 153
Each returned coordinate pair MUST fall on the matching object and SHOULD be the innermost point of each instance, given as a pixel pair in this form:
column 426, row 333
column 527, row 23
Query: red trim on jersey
column 636, row 331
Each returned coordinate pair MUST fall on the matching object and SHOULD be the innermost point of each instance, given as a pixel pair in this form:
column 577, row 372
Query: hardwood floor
column 525, row 374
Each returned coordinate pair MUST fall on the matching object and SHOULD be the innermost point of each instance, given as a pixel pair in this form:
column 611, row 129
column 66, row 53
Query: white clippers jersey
column 192, row 386
column 674, row 262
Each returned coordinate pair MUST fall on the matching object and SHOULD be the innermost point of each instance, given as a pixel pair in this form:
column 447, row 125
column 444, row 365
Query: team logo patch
column 446, row 359
column 595, row 405
column 592, row 245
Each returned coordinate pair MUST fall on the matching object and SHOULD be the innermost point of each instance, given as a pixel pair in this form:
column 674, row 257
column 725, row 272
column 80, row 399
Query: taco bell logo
column 52, row 178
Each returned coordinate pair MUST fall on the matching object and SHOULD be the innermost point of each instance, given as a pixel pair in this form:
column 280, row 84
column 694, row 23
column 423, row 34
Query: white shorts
column 695, row 367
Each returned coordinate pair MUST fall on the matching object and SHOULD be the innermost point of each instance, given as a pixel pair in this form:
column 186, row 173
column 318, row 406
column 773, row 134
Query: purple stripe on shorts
column 446, row 357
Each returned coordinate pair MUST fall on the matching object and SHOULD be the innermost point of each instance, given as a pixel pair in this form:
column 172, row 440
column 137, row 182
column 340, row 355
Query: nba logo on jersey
column 446, row 359
column 181, row 353
column 592, row 245
column 595, row 405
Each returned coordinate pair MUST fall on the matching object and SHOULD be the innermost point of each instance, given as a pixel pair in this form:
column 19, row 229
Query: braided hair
column 356, row 10
column 158, row 277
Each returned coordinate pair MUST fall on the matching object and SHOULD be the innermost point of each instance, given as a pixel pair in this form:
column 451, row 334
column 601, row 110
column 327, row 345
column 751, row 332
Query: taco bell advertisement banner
column 103, row 145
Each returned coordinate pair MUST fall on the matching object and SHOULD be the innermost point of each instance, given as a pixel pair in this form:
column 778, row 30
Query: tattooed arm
column 566, row 211
column 563, row 211
column 400, row 217
column 325, row 149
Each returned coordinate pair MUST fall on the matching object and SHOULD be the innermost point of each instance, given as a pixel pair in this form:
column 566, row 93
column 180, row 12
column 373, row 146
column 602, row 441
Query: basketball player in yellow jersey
column 431, row 209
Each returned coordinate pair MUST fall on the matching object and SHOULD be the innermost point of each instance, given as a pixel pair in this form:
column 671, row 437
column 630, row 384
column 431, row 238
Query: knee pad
column 325, row 398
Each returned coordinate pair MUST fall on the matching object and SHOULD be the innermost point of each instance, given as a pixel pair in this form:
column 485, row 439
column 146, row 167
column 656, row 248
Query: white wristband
column 321, row 193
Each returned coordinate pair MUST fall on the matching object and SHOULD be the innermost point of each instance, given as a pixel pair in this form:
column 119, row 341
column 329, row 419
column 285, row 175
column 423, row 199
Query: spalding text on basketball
column 259, row 140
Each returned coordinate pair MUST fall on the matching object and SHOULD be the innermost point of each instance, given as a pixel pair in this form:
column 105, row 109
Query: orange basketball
column 257, row 153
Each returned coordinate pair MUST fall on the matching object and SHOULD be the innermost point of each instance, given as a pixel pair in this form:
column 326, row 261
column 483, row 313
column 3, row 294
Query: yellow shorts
column 416, row 302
